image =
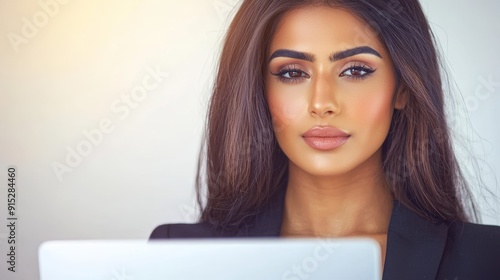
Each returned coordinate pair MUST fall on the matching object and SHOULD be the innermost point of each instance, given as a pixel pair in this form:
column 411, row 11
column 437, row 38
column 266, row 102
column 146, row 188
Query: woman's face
column 331, row 98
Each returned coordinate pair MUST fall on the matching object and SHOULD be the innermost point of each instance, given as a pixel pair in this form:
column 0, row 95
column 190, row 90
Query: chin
column 327, row 169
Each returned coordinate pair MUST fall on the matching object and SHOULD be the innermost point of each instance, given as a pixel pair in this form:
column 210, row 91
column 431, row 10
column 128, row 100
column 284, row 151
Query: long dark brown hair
column 243, row 166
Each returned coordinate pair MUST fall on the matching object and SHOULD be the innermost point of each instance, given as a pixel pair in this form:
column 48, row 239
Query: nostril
column 329, row 112
column 323, row 110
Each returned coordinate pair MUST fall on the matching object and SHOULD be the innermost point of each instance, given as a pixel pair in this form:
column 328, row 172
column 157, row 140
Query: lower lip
column 325, row 143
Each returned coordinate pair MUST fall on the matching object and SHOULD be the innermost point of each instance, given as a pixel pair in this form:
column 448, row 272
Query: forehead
column 320, row 29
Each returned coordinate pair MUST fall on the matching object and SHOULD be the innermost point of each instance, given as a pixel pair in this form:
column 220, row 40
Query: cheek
column 371, row 103
column 285, row 109
column 376, row 109
column 374, row 113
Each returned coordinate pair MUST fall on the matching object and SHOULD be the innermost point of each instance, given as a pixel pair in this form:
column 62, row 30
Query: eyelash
column 287, row 70
column 356, row 67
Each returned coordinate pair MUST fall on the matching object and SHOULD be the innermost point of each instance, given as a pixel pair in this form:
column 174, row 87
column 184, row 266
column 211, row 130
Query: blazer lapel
column 414, row 246
column 267, row 223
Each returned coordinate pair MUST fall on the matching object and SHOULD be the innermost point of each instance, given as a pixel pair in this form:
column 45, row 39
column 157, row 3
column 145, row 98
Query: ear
column 401, row 98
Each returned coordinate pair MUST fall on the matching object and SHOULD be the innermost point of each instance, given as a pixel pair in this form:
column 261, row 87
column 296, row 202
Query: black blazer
column 416, row 248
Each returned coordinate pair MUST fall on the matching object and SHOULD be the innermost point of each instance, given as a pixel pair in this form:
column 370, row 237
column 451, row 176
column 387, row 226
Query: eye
column 357, row 72
column 291, row 74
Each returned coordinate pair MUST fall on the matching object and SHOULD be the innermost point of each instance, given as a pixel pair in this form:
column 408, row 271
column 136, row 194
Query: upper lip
column 325, row 132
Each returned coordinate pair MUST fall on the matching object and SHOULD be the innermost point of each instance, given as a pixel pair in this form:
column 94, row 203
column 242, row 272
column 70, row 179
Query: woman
column 327, row 120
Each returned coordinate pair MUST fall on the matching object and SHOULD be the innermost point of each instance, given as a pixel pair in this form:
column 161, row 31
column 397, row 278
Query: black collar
column 414, row 245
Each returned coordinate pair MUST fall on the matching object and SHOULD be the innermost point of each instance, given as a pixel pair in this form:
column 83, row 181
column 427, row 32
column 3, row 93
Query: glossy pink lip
column 325, row 138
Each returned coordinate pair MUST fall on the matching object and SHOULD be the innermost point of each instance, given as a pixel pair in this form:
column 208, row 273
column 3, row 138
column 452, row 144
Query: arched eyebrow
column 354, row 51
column 333, row 57
column 293, row 54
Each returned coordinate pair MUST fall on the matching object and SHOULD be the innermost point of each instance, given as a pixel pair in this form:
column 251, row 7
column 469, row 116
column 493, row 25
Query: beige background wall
column 102, row 106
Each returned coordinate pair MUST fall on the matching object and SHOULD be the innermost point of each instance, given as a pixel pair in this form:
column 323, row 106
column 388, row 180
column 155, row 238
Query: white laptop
column 211, row 259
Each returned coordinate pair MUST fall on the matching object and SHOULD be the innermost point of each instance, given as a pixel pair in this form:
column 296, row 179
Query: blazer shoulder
column 476, row 234
column 481, row 241
column 472, row 252
column 182, row 230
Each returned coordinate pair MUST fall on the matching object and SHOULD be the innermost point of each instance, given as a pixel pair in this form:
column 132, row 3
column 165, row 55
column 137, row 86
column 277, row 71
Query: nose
column 323, row 99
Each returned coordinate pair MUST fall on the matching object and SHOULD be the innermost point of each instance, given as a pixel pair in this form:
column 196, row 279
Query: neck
column 358, row 203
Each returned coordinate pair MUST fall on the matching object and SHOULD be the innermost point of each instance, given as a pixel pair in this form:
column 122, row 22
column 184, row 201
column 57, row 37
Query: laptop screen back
column 210, row 259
